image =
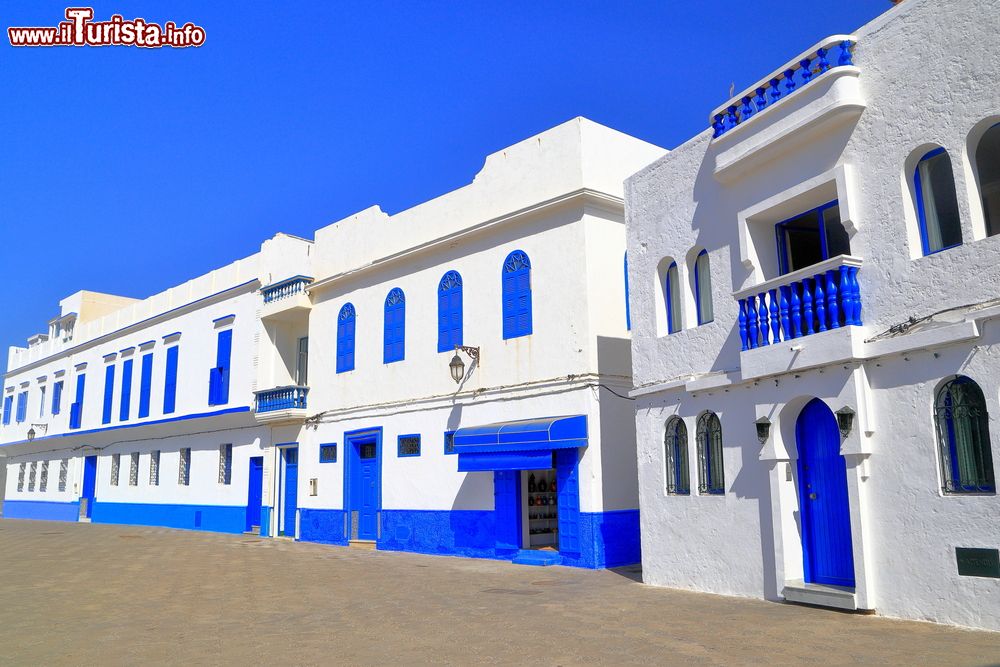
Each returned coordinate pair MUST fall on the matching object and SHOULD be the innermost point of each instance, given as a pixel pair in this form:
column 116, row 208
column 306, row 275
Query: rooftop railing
column 285, row 288
column 833, row 52
column 817, row 298
column 281, row 398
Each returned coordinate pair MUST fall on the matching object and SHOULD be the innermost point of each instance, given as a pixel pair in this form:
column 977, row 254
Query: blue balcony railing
column 814, row 299
column 281, row 398
column 831, row 53
column 285, row 288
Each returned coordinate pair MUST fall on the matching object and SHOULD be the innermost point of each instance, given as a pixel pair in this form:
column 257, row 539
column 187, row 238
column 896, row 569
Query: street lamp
column 845, row 421
column 31, row 430
column 457, row 366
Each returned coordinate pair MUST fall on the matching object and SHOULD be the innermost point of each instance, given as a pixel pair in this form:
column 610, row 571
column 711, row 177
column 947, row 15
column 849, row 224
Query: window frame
column 399, row 445
column 988, row 228
column 672, row 287
column 184, row 467
column 394, row 333
column 677, row 472
column 328, row 445
column 782, row 242
column 448, row 434
column 698, row 302
column 945, row 433
column 920, row 208
column 226, row 464
column 116, row 463
column 451, row 284
column 517, row 319
column 708, row 484
column 347, row 322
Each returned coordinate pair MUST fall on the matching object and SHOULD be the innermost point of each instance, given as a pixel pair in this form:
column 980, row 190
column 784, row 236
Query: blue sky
column 128, row 171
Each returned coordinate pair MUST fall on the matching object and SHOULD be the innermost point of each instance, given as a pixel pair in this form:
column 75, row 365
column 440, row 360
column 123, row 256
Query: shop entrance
column 539, row 509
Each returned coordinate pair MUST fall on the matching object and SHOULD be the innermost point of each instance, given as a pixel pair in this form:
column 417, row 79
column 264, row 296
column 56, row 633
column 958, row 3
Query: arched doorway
column 828, row 556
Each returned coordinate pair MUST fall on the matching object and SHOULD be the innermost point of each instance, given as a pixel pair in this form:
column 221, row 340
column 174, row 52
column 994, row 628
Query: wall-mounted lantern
column 845, row 421
column 31, row 430
column 763, row 429
column 457, row 366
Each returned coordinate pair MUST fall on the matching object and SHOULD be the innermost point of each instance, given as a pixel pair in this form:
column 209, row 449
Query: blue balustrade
column 281, row 398
column 783, row 83
column 285, row 289
column 806, row 304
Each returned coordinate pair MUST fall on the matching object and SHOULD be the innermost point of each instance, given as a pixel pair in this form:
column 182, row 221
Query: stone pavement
column 99, row 594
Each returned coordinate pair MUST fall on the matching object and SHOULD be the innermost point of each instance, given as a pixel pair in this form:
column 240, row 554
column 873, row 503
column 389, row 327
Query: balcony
column 805, row 98
column 821, row 301
column 286, row 299
column 281, row 404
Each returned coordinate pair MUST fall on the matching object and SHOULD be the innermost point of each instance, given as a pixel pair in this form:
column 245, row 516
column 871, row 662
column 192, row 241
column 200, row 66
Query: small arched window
column 703, row 288
column 516, row 295
column 937, row 203
column 988, row 168
column 672, row 294
column 676, row 450
column 711, row 472
column 395, row 327
column 449, row 311
column 964, row 437
column 628, row 311
column 345, row 338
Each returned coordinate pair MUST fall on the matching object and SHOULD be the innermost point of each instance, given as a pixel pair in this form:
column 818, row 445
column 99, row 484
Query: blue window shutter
column 516, row 290
column 8, row 405
column 345, row 338
column 395, row 326
column 22, row 406
column 57, row 397
column 145, row 383
column 568, row 478
column 109, row 390
column 170, row 384
column 449, row 311
column 126, row 402
column 218, row 384
column 76, row 409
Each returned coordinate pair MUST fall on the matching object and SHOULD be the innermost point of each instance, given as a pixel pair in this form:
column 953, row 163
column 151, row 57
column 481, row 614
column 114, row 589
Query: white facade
column 557, row 198
column 923, row 76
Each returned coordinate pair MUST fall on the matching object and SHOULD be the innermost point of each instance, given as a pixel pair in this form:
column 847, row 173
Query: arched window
column 672, row 292
column 393, row 348
column 628, row 312
column 345, row 338
column 703, row 288
column 516, row 295
column 449, row 311
column 937, row 203
column 711, row 473
column 988, row 168
column 964, row 437
column 676, row 449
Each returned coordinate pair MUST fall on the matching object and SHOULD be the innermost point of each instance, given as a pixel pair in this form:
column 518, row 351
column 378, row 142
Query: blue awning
column 518, row 445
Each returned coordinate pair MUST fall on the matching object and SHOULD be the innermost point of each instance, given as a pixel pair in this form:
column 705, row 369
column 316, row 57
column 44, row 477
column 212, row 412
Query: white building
column 815, row 304
column 514, row 283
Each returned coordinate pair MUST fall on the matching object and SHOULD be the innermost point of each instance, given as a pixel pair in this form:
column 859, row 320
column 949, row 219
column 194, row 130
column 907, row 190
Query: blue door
column 368, row 481
column 507, row 509
column 254, row 492
column 89, row 482
column 828, row 556
column 291, row 499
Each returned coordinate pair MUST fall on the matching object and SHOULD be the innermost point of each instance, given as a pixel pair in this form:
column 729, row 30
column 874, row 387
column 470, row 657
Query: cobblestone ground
column 98, row 594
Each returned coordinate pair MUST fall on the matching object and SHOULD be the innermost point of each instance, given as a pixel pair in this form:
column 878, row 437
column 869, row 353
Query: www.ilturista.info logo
column 80, row 30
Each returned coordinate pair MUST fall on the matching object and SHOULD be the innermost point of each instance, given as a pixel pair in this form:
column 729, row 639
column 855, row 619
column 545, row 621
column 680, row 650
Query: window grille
column 449, row 442
column 115, row 463
column 964, row 438
column 20, row 477
column 43, row 480
column 133, row 470
column 676, row 452
column 328, row 453
column 31, row 476
column 184, row 467
column 63, row 472
column 154, row 467
column 225, row 464
column 409, row 445
column 711, row 473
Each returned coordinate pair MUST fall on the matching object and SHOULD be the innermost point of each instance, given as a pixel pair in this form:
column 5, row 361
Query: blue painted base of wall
column 324, row 526
column 47, row 510
column 218, row 518
column 265, row 521
column 468, row 533
column 607, row 539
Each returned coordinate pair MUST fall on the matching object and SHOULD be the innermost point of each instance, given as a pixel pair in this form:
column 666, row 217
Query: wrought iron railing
column 833, row 52
column 281, row 398
column 817, row 298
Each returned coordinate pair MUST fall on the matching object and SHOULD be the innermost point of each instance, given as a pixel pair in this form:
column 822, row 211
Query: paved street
column 99, row 594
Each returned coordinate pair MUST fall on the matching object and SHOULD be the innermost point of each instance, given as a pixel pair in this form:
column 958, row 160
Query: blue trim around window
column 918, row 193
column 346, row 322
column 328, row 452
column 109, row 390
column 449, row 443
column 450, row 311
column 394, row 329
column 673, row 316
column 399, row 445
column 57, row 390
column 628, row 311
column 170, row 381
column 779, row 230
column 126, row 397
column 703, row 318
column 145, row 383
column 516, row 288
